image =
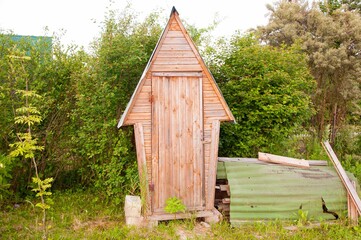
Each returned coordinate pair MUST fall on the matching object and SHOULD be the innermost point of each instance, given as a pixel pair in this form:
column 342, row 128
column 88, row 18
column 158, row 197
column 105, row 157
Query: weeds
column 79, row 215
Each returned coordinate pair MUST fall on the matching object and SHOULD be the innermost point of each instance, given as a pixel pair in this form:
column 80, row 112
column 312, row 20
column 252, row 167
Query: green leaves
column 26, row 146
column 28, row 119
column 174, row 205
column 267, row 90
column 41, row 191
column 28, row 94
column 329, row 34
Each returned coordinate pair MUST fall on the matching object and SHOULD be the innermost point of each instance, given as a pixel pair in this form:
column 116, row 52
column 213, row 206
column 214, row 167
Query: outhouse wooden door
column 177, row 139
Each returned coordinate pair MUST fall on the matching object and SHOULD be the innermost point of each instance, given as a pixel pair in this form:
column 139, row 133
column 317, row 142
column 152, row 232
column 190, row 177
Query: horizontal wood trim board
column 162, row 217
column 180, row 68
column 175, row 47
column 176, row 61
column 174, row 34
column 177, row 74
column 175, row 41
column 175, row 54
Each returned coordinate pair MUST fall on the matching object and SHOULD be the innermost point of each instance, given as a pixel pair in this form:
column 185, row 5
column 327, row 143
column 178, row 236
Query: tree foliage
column 267, row 90
column 329, row 6
column 332, row 43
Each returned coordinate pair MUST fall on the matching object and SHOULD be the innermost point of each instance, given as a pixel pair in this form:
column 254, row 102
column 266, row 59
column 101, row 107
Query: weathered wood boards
column 355, row 202
column 267, row 157
column 142, row 165
column 213, row 164
column 351, row 208
column 177, row 141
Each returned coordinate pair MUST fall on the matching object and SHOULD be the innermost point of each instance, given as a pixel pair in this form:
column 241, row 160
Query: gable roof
column 174, row 23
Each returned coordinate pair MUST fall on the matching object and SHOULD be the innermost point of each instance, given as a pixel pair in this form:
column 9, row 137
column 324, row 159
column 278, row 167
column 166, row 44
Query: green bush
column 268, row 91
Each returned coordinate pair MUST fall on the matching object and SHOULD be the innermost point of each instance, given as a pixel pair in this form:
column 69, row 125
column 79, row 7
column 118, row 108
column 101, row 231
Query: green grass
column 84, row 215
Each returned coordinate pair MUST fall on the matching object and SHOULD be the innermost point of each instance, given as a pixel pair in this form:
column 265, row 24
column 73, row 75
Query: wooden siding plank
column 154, row 151
column 183, row 139
column 175, row 137
column 201, row 139
column 215, row 113
column 198, row 144
column 167, row 138
column 176, row 61
column 213, row 106
column 176, row 47
column 175, row 40
column 181, row 68
column 140, row 116
column 213, row 164
column 189, row 145
column 174, row 54
column 177, row 74
column 176, row 34
column 210, row 97
column 142, row 165
column 162, row 144
column 141, row 109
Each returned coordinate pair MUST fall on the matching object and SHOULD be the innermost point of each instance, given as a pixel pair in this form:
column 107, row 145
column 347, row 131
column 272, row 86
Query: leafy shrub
column 5, row 177
column 267, row 90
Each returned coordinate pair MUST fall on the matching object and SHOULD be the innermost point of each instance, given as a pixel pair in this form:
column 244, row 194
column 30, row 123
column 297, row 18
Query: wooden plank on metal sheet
column 271, row 158
column 344, row 178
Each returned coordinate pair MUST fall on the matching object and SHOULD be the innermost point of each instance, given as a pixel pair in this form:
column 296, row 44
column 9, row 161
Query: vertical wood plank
column 213, row 165
column 142, row 165
column 183, row 139
column 351, row 208
column 202, row 160
column 189, row 145
column 344, row 178
column 163, row 189
column 197, row 143
column 155, row 138
column 175, row 136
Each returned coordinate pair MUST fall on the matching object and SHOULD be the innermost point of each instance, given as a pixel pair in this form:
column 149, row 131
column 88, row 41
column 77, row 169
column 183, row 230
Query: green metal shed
column 260, row 190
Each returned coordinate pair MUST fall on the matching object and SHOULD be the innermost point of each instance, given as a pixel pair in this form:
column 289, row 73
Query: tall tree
column 332, row 43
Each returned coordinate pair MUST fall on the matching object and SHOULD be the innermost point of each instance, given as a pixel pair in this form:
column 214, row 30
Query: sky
column 80, row 21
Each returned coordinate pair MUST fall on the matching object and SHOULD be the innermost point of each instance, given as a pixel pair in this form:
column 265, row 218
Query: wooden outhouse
column 176, row 110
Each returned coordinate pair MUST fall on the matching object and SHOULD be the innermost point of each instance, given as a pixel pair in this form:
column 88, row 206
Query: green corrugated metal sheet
column 271, row 191
column 221, row 171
